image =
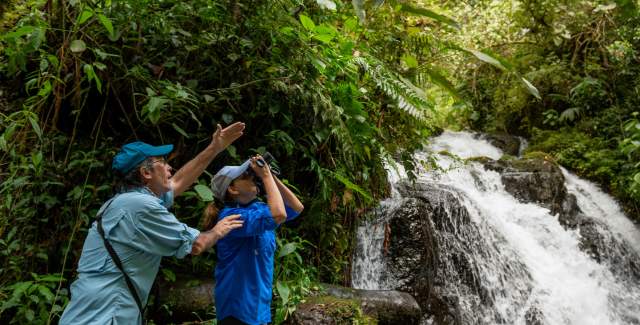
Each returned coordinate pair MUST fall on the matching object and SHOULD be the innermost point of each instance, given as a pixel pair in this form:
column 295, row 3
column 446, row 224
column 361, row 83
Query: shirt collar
column 234, row 204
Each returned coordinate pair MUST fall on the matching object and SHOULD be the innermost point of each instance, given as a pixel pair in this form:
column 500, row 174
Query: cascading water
column 493, row 258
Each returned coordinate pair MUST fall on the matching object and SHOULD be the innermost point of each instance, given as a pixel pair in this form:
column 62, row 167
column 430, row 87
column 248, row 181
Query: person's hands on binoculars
column 260, row 167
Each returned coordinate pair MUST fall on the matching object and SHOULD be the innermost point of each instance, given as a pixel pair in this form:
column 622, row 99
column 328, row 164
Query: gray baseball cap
column 224, row 177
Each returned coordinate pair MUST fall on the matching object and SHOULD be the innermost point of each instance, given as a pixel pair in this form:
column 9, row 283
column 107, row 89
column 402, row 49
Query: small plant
column 33, row 302
column 293, row 277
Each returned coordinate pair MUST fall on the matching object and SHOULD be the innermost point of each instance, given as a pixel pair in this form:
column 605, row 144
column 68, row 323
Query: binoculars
column 266, row 159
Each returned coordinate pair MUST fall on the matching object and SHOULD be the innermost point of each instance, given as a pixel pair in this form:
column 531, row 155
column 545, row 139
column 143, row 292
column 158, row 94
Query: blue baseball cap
column 132, row 154
column 220, row 182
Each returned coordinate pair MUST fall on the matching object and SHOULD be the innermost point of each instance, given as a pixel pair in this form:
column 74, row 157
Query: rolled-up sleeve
column 159, row 232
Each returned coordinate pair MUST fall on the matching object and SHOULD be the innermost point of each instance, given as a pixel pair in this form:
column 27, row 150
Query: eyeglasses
column 161, row 161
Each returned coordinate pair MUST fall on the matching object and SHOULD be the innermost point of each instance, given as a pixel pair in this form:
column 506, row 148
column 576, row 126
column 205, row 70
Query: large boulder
column 535, row 180
column 509, row 144
column 436, row 254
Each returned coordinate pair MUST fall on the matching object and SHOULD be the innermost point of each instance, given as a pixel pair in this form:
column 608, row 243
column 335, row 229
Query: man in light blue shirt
column 141, row 231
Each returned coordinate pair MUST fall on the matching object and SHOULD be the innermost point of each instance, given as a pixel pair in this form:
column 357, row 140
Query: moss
column 539, row 155
column 12, row 10
column 343, row 311
column 481, row 159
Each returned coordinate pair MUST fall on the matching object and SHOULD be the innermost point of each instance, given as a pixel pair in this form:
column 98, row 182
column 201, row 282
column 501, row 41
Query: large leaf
column 350, row 185
column 154, row 107
column 287, row 249
column 106, row 23
column 283, row 292
column 204, row 192
column 431, row 14
column 441, row 81
column 307, row 23
column 531, row 88
column 502, row 64
column 485, row 57
column 84, row 16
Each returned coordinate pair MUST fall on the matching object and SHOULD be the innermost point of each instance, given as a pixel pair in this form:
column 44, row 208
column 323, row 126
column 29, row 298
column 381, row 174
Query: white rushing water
column 566, row 285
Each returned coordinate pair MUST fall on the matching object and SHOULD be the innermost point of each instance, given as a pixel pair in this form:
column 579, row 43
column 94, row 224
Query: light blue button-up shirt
column 141, row 231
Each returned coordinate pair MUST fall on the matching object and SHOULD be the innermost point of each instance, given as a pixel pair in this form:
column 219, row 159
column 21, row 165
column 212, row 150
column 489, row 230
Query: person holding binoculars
column 134, row 229
column 244, row 272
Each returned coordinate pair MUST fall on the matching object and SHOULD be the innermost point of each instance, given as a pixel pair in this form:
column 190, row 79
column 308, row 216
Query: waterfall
column 498, row 260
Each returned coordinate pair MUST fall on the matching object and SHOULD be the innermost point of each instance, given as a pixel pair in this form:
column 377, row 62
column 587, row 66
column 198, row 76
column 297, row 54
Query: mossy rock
column 540, row 155
column 341, row 305
column 330, row 310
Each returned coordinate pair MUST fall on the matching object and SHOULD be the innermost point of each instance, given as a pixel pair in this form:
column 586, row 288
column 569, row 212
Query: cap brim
column 240, row 170
column 159, row 150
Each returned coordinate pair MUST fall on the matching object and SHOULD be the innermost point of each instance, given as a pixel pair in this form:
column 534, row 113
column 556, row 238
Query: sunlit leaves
column 409, row 98
column 410, row 60
column 531, row 88
column 429, row 13
column 348, row 184
column 84, row 16
column 485, row 57
column 502, row 64
column 307, row 23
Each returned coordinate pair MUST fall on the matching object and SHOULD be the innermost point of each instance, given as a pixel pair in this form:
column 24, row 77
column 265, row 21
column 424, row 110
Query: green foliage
column 91, row 76
column 293, row 277
column 34, row 301
column 329, row 92
column 579, row 55
column 630, row 146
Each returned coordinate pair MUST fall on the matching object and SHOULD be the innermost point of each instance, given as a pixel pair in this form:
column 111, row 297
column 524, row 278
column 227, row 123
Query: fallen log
column 192, row 299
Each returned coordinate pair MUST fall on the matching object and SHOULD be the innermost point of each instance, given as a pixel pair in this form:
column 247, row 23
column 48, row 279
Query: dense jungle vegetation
column 331, row 88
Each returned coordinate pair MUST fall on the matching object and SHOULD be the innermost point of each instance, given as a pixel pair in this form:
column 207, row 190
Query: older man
column 134, row 230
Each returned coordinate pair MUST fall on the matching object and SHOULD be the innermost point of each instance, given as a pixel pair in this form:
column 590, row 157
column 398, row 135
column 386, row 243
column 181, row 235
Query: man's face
column 159, row 176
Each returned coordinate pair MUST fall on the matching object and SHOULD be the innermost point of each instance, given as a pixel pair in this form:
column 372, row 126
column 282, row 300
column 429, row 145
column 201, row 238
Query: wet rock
column 434, row 251
column 316, row 312
column 534, row 316
column 507, row 143
column 532, row 180
column 605, row 247
column 185, row 298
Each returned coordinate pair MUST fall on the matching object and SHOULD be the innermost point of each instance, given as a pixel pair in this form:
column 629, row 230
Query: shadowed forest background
column 332, row 89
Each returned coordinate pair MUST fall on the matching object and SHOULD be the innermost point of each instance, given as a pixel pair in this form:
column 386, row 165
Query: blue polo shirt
column 141, row 231
column 244, row 273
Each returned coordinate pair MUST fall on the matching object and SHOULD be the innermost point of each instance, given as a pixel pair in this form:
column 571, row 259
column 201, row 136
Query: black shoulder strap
column 118, row 263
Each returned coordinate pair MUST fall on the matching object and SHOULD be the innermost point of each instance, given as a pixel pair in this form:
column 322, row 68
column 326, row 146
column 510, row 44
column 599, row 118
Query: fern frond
column 409, row 98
